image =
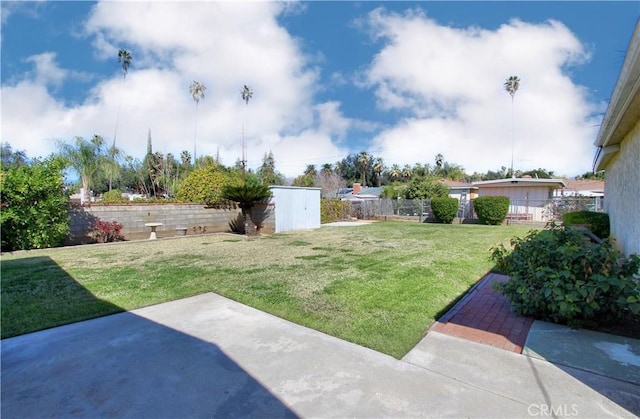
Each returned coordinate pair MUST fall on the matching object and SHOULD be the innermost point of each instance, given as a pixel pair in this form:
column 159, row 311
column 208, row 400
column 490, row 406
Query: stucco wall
column 134, row 217
column 622, row 193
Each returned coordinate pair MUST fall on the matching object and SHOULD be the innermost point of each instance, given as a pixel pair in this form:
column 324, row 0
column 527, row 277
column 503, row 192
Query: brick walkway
column 484, row 316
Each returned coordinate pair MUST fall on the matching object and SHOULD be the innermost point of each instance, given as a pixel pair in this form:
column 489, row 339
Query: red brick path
column 484, row 316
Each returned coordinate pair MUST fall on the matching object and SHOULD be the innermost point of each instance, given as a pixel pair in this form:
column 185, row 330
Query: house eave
column 604, row 156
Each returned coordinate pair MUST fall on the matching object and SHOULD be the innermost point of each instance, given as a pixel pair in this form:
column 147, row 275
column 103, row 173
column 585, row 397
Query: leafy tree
column 591, row 176
column 87, row 158
column 539, row 173
column 12, row 158
column 35, row 209
column 303, row 181
column 246, row 196
column 204, row 185
column 425, row 188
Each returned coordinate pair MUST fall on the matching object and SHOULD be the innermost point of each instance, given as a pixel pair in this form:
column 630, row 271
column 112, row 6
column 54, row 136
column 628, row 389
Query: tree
column 328, row 182
column 395, row 173
column 204, row 185
column 511, row 86
column 363, row 160
column 310, row 170
column 35, row 208
column 327, row 169
column 246, row 94
column 267, row 172
column 125, row 59
column 407, row 173
column 246, row 196
column 12, row 158
column 425, row 188
column 378, row 168
column 439, row 160
column 87, row 158
column 196, row 89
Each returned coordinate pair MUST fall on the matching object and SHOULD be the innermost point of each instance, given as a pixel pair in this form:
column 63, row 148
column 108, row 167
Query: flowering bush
column 104, row 231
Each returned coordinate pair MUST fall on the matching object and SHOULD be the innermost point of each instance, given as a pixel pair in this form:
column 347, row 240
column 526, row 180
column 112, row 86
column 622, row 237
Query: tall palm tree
column 407, row 172
column 87, row 158
column 246, row 93
column 327, row 169
column 363, row 164
column 395, row 172
column 196, row 89
column 124, row 59
column 511, row 86
column 378, row 168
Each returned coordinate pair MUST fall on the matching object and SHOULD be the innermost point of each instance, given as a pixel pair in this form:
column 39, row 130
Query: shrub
column 557, row 275
column 104, row 231
column 491, row 209
column 598, row 222
column 204, row 185
column 35, row 209
column 333, row 210
column 113, row 196
column 445, row 209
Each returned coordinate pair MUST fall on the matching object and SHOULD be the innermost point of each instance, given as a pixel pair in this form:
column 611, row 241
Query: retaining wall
column 196, row 218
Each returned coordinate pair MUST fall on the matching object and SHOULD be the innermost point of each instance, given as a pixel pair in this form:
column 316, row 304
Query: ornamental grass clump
column 557, row 275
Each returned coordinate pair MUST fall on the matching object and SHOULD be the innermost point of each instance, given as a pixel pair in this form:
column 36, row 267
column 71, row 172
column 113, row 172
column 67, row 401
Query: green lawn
column 380, row 285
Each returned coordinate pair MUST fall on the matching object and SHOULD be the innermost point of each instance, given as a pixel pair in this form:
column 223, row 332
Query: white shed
column 295, row 208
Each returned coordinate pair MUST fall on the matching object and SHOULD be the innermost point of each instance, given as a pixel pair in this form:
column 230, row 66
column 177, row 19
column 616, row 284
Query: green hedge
column 333, row 210
column 597, row 222
column 556, row 275
column 445, row 209
column 491, row 209
column 113, row 196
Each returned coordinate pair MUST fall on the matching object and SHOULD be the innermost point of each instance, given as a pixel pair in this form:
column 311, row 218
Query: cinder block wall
column 195, row 217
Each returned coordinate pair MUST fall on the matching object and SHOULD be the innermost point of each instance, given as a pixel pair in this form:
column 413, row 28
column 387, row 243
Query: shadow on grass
column 119, row 365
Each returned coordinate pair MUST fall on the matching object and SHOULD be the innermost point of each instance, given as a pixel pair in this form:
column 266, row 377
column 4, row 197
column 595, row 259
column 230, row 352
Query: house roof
column 454, row 184
column 584, row 185
column 623, row 111
column 522, row 182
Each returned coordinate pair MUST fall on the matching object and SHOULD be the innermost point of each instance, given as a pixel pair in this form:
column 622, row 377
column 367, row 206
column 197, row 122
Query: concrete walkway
column 207, row 356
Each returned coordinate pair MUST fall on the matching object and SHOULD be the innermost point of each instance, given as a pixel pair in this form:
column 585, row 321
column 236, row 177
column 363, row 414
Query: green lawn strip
column 379, row 285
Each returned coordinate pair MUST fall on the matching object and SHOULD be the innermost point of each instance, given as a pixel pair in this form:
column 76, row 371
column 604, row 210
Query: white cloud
column 448, row 82
column 221, row 44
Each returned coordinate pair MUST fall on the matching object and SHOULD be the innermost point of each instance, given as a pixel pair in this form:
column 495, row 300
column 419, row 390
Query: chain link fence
column 520, row 211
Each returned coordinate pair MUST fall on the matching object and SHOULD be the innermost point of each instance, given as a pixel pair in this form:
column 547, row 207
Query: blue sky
column 401, row 80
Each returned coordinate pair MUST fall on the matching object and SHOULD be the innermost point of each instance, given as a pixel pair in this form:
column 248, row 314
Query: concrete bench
column 181, row 231
column 153, row 229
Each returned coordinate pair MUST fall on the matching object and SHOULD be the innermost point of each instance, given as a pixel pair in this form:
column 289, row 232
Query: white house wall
column 622, row 191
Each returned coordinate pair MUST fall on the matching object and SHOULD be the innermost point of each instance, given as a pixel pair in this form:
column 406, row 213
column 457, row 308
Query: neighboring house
column 618, row 152
column 529, row 197
column 462, row 191
column 358, row 193
column 588, row 187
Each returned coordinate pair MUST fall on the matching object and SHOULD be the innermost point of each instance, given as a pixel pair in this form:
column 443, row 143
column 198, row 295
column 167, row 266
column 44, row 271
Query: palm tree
column 87, row 159
column 112, row 163
column 196, row 89
column 125, row 59
column 407, row 172
column 246, row 93
column 378, row 168
column 395, row 172
column 363, row 164
column 327, row 169
column 246, row 196
column 511, row 86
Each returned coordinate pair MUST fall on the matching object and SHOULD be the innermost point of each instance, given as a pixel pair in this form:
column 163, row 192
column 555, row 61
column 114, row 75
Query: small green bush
column 445, row 209
column 491, row 210
column 556, row 275
column 333, row 210
column 113, row 196
column 598, row 222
